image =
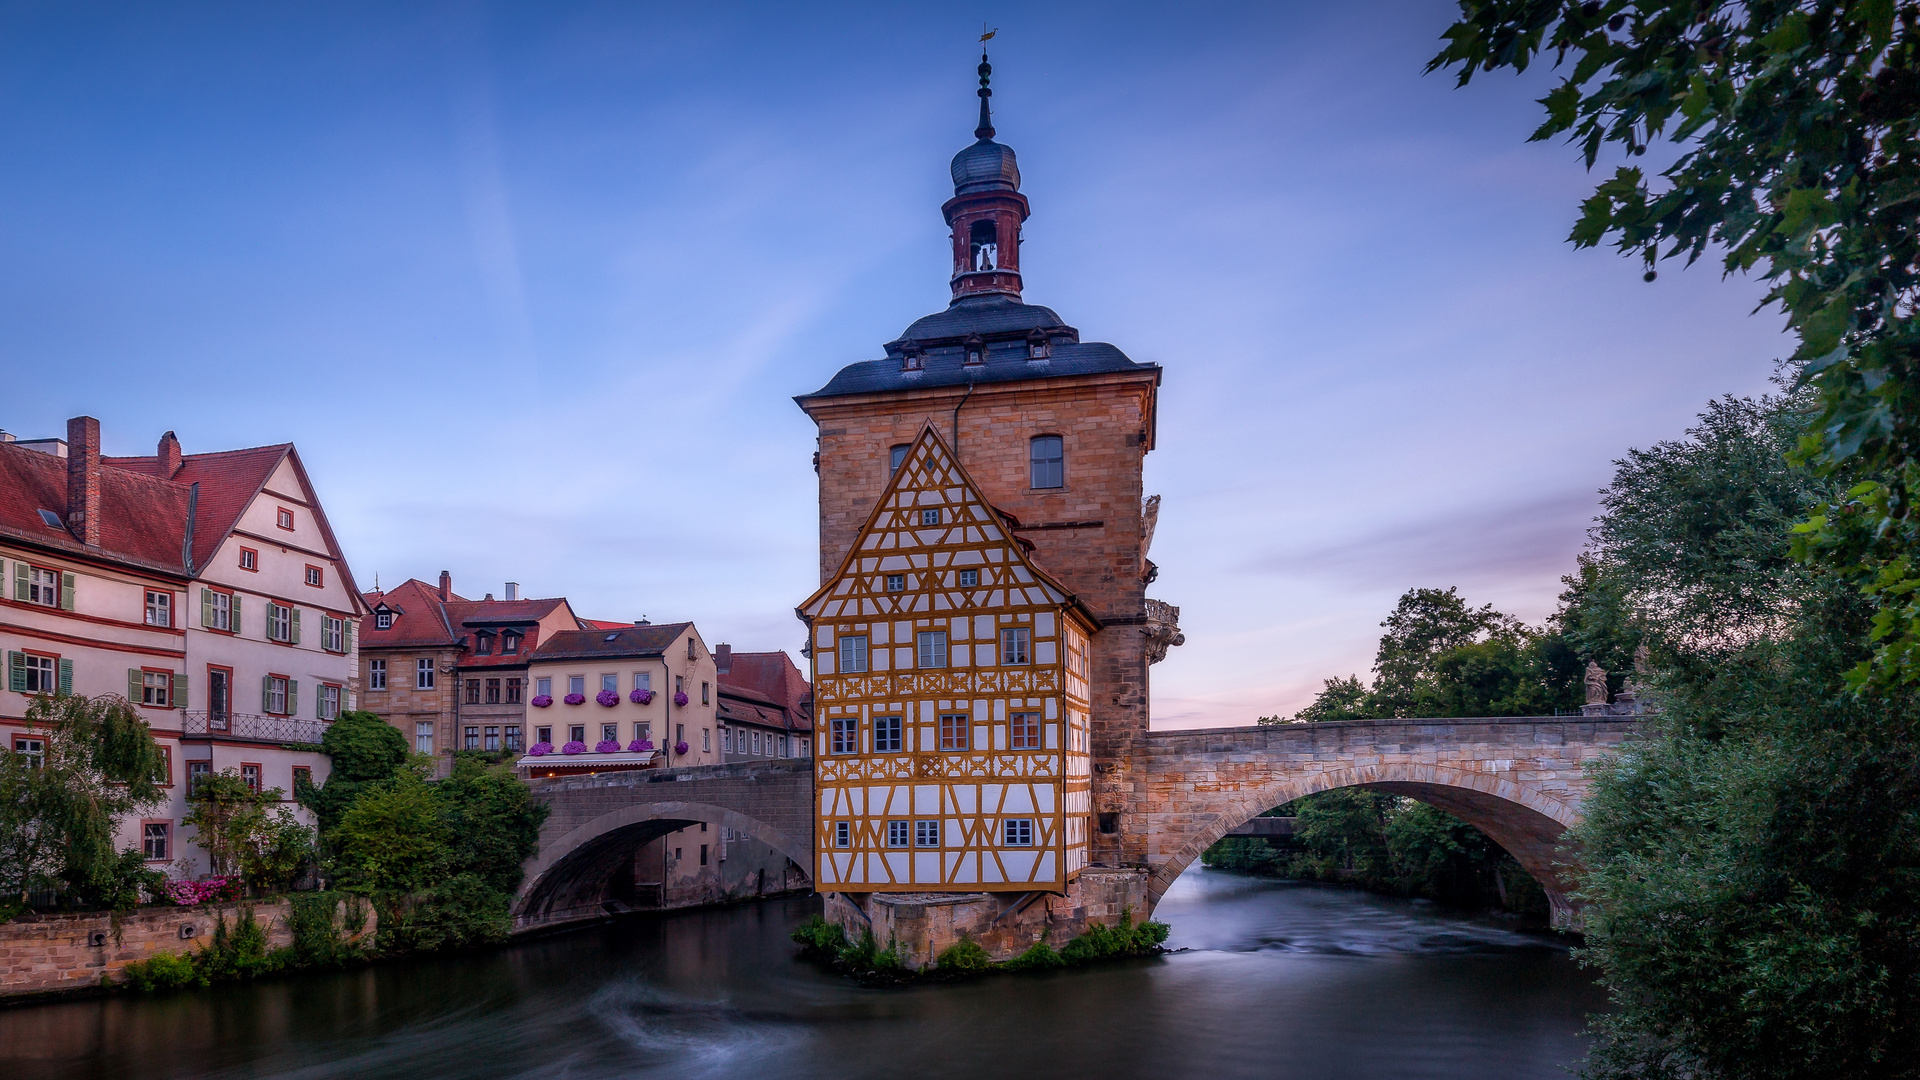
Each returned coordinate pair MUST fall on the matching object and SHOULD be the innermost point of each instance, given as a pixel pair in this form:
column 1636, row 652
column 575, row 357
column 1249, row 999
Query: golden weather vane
column 986, row 33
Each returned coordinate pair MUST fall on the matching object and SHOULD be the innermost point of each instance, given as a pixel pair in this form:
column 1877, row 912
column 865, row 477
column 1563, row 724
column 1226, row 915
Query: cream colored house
column 651, row 689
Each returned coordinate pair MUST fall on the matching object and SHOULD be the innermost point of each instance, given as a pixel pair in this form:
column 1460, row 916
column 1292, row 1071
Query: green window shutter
column 234, row 614
column 319, row 702
column 180, row 690
column 17, row 672
column 134, row 686
column 19, row 581
column 66, row 592
column 66, row 676
column 352, row 625
column 293, row 697
column 206, row 606
column 296, row 626
column 266, row 690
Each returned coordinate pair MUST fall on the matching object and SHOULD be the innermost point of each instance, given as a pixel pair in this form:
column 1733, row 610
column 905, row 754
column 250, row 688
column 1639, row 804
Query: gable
column 930, row 525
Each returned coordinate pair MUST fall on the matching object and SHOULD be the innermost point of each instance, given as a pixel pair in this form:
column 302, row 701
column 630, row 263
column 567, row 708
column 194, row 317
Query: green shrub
column 964, row 957
column 320, row 933
column 1101, row 941
column 240, row 953
column 163, row 971
column 888, row 959
column 1038, row 957
column 820, row 938
column 858, row 955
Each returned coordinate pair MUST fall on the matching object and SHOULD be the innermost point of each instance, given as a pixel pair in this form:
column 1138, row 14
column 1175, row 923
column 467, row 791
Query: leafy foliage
column 363, row 749
column 59, row 809
column 1796, row 124
column 248, row 832
column 964, row 957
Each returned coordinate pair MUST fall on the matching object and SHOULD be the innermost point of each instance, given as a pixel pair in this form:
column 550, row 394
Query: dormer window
column 912, row 358
column 483, row 644
column 1038, row 346
column 383, row 619
column 509, row 643
column 976, row 349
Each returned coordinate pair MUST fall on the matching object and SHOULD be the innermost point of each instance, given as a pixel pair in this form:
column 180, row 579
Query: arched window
column 1048, row 461
column 894, row 457
column 983, row 246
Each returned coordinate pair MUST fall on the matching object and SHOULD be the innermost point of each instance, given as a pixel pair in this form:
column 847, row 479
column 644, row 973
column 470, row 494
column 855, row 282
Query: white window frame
column 899, row 834
column 853, row 653
column 156, row 688
column 926, row 833
column 931, row 649
column 276, row 702
column 333, row 634
column 886, row 734
column 969, row 579
column 423, row 674
column 843, row 834
column 43, row 674
column 376, row 674
column 279, row 622
column 1017, row 832
column 383, row 620
column 159, row 608
column 1016, row 645
column 423, row 737
column 46, row 592
column 327, row 701
column 896, row 583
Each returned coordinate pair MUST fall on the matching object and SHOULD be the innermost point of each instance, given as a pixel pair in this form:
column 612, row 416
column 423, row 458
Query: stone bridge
column 1520, row 780
column 597, row 824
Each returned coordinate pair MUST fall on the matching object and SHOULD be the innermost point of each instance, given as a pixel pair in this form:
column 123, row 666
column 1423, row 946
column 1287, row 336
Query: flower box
column 680, row 698
column 540, row 749
column 575, row 699
column 641, row 697
column 608, row 698
column 541, row 701
column 640, row 746
column 607, row 746
column 680, row 748
column 574, row 747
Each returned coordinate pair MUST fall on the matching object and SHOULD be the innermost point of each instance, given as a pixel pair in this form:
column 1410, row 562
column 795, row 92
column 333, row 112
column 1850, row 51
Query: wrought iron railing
column 255, row 727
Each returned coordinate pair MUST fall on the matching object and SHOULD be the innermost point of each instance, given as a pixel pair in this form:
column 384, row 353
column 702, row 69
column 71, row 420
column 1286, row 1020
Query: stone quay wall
column 41, row 954
column 921, row 926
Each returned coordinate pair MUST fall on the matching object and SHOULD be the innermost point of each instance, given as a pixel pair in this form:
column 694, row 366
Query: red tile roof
column 617, row 640
column 419, row 618
column 422, row 620
column 771, row 679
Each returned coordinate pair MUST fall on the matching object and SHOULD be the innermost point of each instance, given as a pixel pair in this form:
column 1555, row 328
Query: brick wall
column 403, row 704
column 51, row 953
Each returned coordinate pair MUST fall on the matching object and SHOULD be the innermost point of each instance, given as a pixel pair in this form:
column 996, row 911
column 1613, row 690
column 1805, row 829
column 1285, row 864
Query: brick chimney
column 723, row 658
column 83, row 479
column 446, row 586
column 169, row 454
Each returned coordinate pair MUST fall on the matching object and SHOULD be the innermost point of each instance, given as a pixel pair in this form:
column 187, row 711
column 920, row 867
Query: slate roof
column 626, row 641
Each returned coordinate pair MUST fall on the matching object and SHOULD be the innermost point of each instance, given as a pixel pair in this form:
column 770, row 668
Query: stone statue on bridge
column 1596, row 684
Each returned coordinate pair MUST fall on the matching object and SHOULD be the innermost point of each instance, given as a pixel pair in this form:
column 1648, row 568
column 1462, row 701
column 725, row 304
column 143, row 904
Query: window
column 933, row 648
column 279, row 622
column 423, row 737
column 196, row 772
column 895, row 456
column 756, row 742
column 423, row 673
column 643, row 731
column 969, row 578
column 843, row 834
column 577, row 684
column 473, row 691
column 577, row 733
column 159, row 608
column 333, row 634
column 706, row 694
column 43, row 587
column 845, row 736
column 483, row 643
column 163, row 774
column 218, row 610
column 886, row 734
column 926, row 834
column 703, row 854
column 40, row 674
column 954, row 732
column 679, row 684
column 513, row 738
column 276, row 696
column 706, row 740
column 1025, row 731
column 1015, row 645
column 853, row 653
column 930, row 517
column 896, row 582
column 326, row 701
column 693, row 651
column 376, row 674
column 509, row 643
column 156, row 688
column 610, row 683
column 1019, row 832
column 383, row 620
column 493, row 691
column 544, row 734
column 315, row 576
column 726, row 740
column 643, row 680
column 249, row 559
column 473, row 738
column 609, row 732
column 543, row 686
column 153, row 840
column 302, row 778
column 34, row 750
column 898, row 834
column 284, row 519
column 250, row 776
column 1048, row 466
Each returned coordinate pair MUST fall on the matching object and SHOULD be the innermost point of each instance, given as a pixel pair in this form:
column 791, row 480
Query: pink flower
column 607, row 746
column 541, row 701
column 575, row 699
column 641, row 697
column 680, row 698
column 640, row 746
column 680, row 748
column 609, row 698
column 540, row 749
column 574, row 746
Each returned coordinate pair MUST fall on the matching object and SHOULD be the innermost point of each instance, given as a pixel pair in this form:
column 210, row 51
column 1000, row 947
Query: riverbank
column 865, row 961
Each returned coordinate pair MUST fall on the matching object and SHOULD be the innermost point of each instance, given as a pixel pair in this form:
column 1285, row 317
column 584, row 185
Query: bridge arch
column 1524, row 820
column 590, row 867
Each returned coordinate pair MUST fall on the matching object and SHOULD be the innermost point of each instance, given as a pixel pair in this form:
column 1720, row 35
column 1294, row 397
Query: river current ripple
column 1274, row 980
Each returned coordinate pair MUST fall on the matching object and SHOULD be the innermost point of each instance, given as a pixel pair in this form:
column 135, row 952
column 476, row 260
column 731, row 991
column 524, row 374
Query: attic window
column 483, row 644
column 52, row 519
column 509, row 643
column 383, row 620
column 1038, row 347
column 611, row 637
column 976, row 349
column 911, row 358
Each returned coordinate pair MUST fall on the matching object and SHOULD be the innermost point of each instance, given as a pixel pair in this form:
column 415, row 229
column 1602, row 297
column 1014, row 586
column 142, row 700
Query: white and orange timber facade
column 950, row 689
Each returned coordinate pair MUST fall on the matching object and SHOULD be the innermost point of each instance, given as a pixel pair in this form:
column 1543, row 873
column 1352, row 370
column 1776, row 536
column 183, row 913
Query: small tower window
column 1038, row 347
column 1048, row 462
column 912, row 358
column 976, row 349
column 983, row 246
column 894, row 457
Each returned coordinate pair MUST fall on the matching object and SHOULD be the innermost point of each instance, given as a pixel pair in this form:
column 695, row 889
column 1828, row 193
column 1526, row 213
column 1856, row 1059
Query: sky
column 531, row 287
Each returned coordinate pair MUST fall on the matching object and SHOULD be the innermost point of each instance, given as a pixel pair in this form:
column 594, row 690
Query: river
column 1277, row 980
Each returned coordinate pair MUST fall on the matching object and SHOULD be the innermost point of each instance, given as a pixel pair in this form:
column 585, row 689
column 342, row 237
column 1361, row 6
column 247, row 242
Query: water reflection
column 1276, row 980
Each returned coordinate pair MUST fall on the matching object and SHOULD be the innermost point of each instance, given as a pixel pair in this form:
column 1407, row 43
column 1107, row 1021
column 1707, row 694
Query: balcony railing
column 255, row 727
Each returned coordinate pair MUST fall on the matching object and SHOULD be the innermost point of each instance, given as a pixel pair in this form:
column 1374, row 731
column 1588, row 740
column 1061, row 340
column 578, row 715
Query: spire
column 985, row 130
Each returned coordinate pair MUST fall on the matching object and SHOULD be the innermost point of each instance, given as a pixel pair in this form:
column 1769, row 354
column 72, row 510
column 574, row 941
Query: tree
column 1339, row 699
column 363, row 749
column 1796, row 121
column 1424, row 624
column 247, row 832
column 60, row 807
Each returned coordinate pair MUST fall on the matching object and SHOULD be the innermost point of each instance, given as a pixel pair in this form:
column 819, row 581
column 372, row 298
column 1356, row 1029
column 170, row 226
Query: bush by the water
column 822, row 940
column 965, row 956
column 1038, row 957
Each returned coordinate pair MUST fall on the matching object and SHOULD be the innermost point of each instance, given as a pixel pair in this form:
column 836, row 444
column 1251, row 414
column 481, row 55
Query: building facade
column 649, row 690
column 766, row 706
column 189, row 584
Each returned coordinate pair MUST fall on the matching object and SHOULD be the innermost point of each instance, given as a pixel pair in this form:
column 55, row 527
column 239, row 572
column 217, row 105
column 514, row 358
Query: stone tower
column 1054, row 431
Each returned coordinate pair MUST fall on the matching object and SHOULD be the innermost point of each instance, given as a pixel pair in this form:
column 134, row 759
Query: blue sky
column 531, row 287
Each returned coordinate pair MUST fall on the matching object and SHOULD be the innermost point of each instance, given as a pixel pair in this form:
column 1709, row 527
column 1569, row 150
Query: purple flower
column 640, row 746
column 641, row 697
column 607, row 746
column 680, row 698
column 609, row 698
column 574, row 746
column 680, row 748
column 541, row 701
column 575, row 699
column 540, row 749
